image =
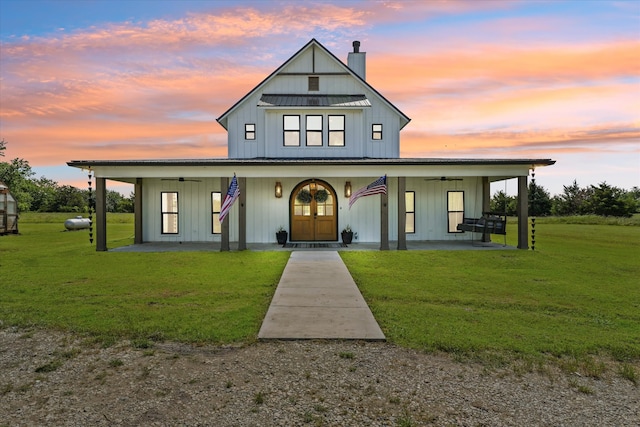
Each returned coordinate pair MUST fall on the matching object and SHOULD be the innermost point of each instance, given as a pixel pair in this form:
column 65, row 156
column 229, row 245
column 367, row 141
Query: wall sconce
column 347, row 189
column 278, row 190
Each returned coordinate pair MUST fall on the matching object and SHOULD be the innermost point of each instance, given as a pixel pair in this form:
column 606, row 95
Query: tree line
column 45, row 195
column 602, row 199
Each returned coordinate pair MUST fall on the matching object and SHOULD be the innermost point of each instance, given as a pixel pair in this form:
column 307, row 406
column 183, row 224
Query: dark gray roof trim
column 286, row 100
column 298, row 162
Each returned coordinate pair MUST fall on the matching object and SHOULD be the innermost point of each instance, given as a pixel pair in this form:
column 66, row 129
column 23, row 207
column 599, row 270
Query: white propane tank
column 77, row 223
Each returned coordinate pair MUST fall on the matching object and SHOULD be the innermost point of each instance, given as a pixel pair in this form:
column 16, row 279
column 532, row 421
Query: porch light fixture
column 347, row 189
column 278, row 190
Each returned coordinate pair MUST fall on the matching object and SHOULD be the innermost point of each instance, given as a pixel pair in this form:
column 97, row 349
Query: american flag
column 379, row 186
column 232, row 194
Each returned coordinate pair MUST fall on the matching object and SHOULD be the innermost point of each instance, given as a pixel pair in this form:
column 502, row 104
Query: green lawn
column 576, row 294
column 55, row 279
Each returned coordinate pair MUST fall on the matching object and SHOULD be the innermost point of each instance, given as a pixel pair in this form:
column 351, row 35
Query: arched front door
column 314, row 212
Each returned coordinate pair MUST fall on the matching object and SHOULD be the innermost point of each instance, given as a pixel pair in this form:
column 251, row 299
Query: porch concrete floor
column 459, row 245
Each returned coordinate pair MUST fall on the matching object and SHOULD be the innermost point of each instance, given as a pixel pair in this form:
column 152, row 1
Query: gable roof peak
column 223, row 118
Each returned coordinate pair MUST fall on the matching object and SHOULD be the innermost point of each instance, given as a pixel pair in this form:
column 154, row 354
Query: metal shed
column 8, row 211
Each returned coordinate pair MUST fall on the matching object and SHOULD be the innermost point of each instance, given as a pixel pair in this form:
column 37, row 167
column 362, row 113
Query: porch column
column 137, row 212
column 486, row 203
column 242, row 217
column 224, row 244
column 101, row 214
column 384, row 222
column 523, row 213
column 402, row 214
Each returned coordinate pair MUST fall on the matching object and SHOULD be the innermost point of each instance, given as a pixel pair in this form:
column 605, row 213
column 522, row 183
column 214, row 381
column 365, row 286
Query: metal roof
column 288, row 100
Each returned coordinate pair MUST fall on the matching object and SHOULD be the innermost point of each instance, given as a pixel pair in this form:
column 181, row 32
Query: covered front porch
column 381, row 219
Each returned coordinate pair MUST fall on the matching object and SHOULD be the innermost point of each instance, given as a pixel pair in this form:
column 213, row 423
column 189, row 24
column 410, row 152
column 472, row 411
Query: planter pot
column 281, row 237
column 347, row 236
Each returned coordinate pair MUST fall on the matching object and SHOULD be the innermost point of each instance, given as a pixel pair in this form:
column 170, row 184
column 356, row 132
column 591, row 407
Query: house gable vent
column 314, row 83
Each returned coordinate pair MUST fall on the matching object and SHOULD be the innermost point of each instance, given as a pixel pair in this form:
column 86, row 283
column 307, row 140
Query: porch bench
column 489, row 223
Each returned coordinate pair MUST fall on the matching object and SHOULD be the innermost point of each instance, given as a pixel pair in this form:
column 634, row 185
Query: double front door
column 314, row 213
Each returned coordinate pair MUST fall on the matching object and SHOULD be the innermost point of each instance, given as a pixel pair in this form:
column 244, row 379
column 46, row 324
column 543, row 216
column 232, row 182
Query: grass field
column 55, row 279
column 576, row 294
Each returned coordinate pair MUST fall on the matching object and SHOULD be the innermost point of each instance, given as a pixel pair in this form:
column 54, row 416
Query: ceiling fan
column 443, row 178
column 181, row 179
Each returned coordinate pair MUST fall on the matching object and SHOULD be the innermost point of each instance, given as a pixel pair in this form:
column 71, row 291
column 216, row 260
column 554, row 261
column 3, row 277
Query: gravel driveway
column 50, row 378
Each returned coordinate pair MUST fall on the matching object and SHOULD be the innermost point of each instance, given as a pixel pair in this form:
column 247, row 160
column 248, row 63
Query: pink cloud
column 151, row 90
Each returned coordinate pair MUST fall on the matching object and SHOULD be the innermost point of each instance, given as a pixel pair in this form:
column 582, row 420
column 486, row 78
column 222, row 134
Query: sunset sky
column 91, row 79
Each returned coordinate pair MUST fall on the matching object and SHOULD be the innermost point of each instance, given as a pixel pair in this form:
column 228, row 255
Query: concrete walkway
column 318, row 299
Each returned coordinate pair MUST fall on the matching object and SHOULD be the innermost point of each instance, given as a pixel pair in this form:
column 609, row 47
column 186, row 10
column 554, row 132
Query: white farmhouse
column 300, row 142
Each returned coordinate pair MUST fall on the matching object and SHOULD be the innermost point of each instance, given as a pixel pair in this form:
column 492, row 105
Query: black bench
column 490, row 223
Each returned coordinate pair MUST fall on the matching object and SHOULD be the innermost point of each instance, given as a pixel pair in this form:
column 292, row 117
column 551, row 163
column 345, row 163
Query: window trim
column 449, row 212
column 314, row 131
column 337, row 131
column 169, row 213
column 407, row 212
column 286, row 131
column 215, row 214
column 375, row 132
column 249, row 134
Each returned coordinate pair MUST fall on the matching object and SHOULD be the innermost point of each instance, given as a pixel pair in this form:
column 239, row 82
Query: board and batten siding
column 266, row 213
column 293, row 79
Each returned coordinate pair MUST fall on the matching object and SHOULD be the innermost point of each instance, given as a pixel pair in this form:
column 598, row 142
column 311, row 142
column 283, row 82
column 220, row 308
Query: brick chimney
column 357, row 61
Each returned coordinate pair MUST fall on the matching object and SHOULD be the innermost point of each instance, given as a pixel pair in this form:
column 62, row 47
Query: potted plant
column 281, row 235
column 347, row 235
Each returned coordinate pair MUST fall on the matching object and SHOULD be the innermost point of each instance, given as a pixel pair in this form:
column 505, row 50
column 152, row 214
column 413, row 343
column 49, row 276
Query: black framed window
column 376, row 131
column 250, row 131
column 455, row 210
column 291, row 131
column 314, row 130
column 336, row 131
column 314, row 83
column 216, row 202
column 410, row 209
column 169, row 210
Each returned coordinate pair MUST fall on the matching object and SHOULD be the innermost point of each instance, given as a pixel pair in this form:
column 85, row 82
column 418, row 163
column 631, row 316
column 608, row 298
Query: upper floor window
column 291, row 131
column 169, row 209
column 314, row 83
column 376, row 132
column 314, row 130
column 336, row 131
column 250, row 131
column 455, row 210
